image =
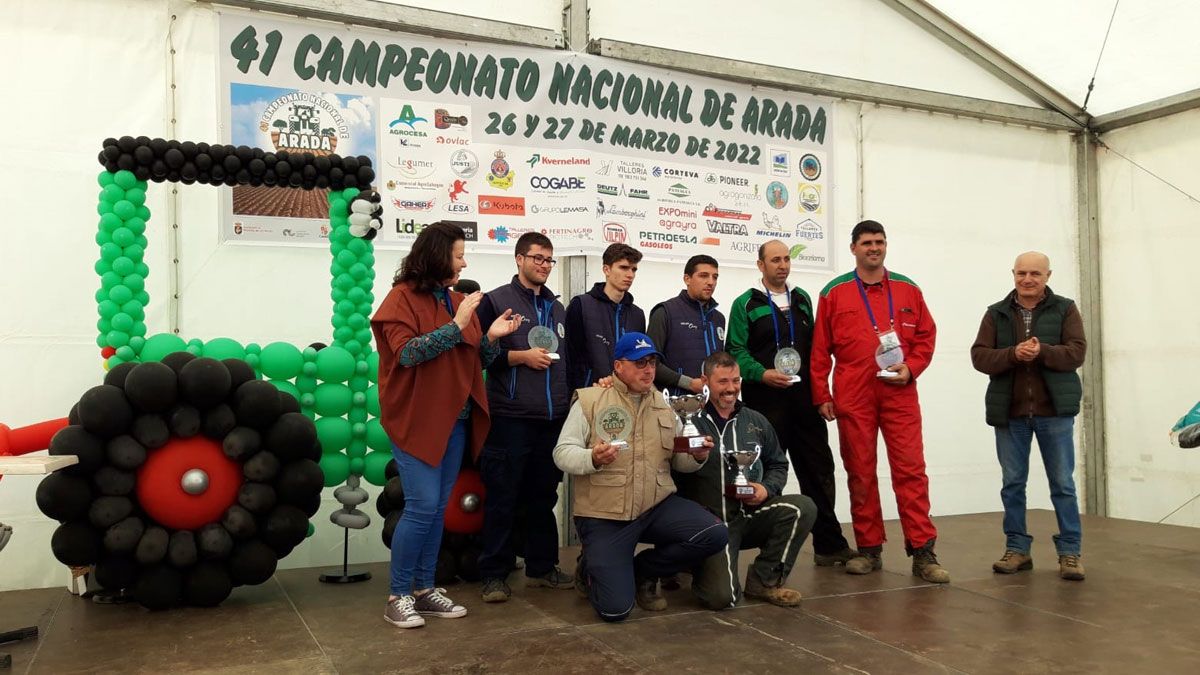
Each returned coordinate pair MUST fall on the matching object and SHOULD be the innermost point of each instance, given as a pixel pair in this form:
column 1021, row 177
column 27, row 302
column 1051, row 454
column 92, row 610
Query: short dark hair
column 695, row 261
column 531, row 239
column 617, row 252
column 866, row 227
column 428, row 264
column 718, row 360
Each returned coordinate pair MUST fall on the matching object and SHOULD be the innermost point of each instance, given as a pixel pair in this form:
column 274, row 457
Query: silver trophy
column 541, row 337
column 787, row 361
column 739, row 460
column 686, row 407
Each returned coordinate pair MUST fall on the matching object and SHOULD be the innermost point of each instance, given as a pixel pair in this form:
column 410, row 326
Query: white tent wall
column 960, row 198
column 1148, row 275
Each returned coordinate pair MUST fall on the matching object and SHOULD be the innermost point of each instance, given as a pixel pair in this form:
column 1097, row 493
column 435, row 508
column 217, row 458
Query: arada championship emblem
column 303, row 122
column 500, row 174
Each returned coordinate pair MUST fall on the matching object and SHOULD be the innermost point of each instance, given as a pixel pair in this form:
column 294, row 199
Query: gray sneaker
column 495, row 590
column 435, row 603
column 402, row 612
column 556, row 578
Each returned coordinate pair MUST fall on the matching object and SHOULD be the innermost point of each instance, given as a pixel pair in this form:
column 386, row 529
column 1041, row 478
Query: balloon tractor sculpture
column 201, row 462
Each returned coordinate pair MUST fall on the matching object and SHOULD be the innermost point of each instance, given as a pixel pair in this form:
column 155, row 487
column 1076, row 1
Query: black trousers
column 517, row 466
column 684, row 534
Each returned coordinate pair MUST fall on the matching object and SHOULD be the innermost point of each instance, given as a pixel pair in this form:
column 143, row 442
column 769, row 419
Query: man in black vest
column 598, row 318
column 528, row 398
column 688, row 328
column 1030, row 344
column 760, row 325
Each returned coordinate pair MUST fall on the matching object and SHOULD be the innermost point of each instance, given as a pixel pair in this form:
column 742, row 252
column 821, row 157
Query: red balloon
column 107, row 352
column 161, row 492
column 464, row 513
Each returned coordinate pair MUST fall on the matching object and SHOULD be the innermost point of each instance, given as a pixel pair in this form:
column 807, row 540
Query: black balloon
column 207, row 585
column 468, row 563
column 262, row 467
column 239, row 522
column 107, row 511
column 252, row 562
column 177, row 360
column 64, row 497
column 310, row 504
column 116, row 572
column 75, row 440
column 389, row 527
column 390, row 470
column 124, row 452
column 286, row 526
column 159, row 587
column 289, row 404
column 151, row 387
column 214, row 542
column 152, row 547
column 257, row 498
column 184, row 421
column 292, row 436
column 174, row 158
column 181, row 552
column 382, row 507
column 151, row 431
column 123, row 537
column 104, row 411
column 112, row 481
column 204, row 382
column 240, row 372
column 117, row 374
column 393, row 491
column 299, row 479
column 219, row 421
column 241, row 442
column 75, row 544
column 257, row 404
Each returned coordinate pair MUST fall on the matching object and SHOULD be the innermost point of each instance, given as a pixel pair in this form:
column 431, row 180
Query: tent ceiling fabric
column 1151, row 53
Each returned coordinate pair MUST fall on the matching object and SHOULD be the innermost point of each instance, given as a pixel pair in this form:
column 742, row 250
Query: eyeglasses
column 644, row 363
column 540, row 260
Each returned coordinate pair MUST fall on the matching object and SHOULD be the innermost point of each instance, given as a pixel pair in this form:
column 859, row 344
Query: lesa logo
column 303, row 121
column 500, row 174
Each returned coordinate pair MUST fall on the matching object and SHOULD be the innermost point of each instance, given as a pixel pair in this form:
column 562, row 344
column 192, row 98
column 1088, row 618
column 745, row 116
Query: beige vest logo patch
column 614, row 423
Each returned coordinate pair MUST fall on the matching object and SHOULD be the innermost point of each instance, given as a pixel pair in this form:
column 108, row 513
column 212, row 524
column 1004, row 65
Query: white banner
column 506, row 140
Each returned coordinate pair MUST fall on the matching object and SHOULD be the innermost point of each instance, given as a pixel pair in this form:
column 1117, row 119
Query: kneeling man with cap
column 617, row 443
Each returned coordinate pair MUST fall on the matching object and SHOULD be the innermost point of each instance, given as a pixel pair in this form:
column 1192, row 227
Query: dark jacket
column 756, row 333
column 686, row 333
column 1047, row 387
column 594, row 324
column 746, row 428
column 517, row 391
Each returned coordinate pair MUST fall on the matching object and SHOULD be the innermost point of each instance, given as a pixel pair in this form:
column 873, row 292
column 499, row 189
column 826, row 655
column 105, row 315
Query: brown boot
column 1070, row 567
column 648, row 597
column 1012, row 562
column 776, row 595
column 925, row 565
column 834, row 559
column 865, row 562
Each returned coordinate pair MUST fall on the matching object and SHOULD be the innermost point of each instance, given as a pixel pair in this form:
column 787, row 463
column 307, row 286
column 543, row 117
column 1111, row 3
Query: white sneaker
column 402, row 612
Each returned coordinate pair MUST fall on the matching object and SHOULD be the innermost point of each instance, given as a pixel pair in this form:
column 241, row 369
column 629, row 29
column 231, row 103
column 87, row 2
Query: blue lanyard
column 446, row 301
column 775, row 316
column 862, row 291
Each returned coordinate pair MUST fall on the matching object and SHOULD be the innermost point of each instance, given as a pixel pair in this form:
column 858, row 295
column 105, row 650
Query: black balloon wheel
column 193, row 477
column 458, row 557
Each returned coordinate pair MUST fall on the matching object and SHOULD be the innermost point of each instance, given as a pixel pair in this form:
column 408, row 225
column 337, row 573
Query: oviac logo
column 501, row 206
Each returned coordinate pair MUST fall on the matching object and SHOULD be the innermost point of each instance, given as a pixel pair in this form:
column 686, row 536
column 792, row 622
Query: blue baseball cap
column 634, row 347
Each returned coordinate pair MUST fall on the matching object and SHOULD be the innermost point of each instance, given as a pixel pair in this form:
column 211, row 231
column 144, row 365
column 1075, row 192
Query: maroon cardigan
column 419, row 405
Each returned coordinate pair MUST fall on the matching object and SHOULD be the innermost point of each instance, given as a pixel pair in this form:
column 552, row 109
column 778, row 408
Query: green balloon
column 357, row 321
column 334, row 364
column 281, row 360
column 134, row 252
column 101, row 340
column 373, row 400
column 377, row 438
column 136, row 196
column 349, row 194
column 363, row 335
column 125, row 179
column 143, row 212
column 333, row 432
column 110, row 252
column 134, row 308
column 134, row 281
column 358, row 246
column 101, row 293
column 123, row 236
column 367, row 259
column 356, row 465
column 359, row 383
column 356, row 448
column 306, row 383
column 117, row 338
column 103, row 237
column 337, row 320
column 336, row 467
column 122, row 266
column 375, row 467
column 104, row 178
column 336, row 203
column 112, row 194
column 136, row 343
column 253, row 348
column 120, row 294
column 356, row 295
column 143, row 270
column 359, row 399
column 103, row 207
column 343, row 281
column 159, row 345
column 108, row 309
column 139, row 329
column 253, row 360
column 311, row 530
column 102, row 266
column 306, row 402
column 142, row 297
column 224, row 348
column 104, row 325
column 109, row 281
column 110, row 222
column 124, row 209
column 112, row 362
column 337, row 294
column 122, row 321
column 364, row 308
column 125, row 353
column 310, row 370
column 373, row 366
column 343, row 334
column 357, row 415
column 136, row 225
column 332, row 399
column 357, row 270
column 284, row 385
column 346, row 259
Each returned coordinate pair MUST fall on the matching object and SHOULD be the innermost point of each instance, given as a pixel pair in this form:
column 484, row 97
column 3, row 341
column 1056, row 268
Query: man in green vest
column 1030, row 344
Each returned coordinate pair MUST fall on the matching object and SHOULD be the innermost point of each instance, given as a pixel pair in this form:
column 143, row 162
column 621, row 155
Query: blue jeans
column 1055, row 440
column 418, row 534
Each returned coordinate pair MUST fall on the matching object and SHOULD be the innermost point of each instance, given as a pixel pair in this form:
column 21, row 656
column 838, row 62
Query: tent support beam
column 831, row 85
column 987, row 57
column 1095, row 452
column 1145, row 112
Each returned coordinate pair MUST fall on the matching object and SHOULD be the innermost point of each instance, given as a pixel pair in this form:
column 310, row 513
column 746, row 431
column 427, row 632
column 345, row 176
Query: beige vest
column 640, row 478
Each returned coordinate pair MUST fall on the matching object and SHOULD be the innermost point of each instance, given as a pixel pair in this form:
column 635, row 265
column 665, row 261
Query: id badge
column 888, row 340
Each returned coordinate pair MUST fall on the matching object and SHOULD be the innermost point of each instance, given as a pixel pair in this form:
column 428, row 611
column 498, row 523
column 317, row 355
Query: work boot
column 834, row 559
column 1012, row 562
column 1070, row 567
column 669, row 583
column 865, row 561
column 581, row 576
column 648, row 597
column 776, row 595
column 925, row 565
column 496, row 590
column 555, row 578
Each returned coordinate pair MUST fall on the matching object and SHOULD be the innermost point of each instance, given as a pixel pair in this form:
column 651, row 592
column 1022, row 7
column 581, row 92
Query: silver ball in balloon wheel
column 470, row 502
column 194, row 481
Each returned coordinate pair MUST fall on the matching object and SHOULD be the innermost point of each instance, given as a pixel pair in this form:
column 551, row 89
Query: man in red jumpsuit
column 875, row 325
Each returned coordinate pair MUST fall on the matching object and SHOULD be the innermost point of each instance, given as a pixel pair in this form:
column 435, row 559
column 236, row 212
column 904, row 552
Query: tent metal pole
column 1095, row 452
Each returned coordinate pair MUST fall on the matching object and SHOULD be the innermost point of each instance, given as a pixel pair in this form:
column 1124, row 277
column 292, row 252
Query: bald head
column 775, row 265
column 1031, row 271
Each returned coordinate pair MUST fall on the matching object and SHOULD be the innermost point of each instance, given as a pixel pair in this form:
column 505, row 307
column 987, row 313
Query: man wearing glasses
column 528, row 398
column 617, row 443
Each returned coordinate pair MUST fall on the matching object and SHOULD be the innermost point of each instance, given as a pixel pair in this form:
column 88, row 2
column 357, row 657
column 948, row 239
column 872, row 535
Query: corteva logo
column 667, row 237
